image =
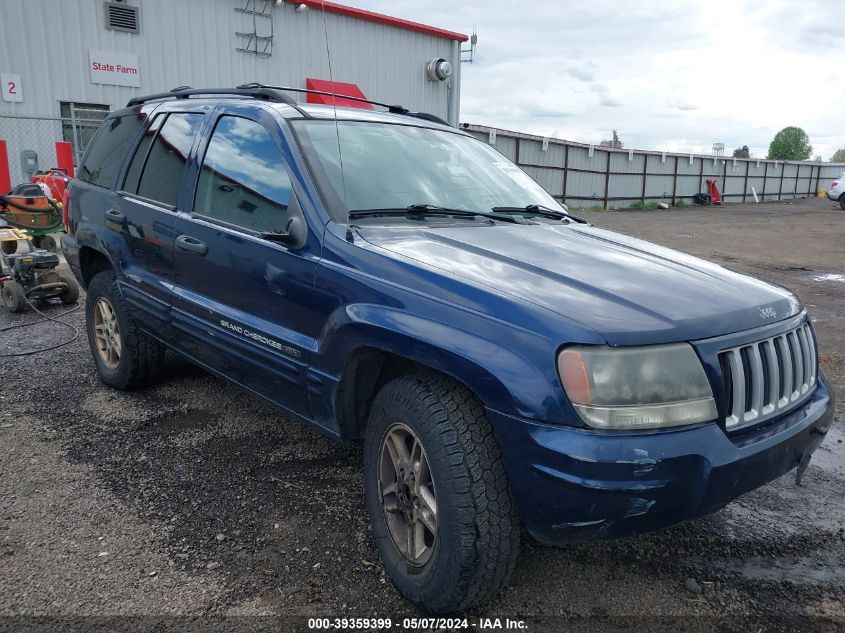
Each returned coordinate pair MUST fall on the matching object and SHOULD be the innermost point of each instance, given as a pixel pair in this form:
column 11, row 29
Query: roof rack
column 275, row 93
column 183, row 92
column 395, row 109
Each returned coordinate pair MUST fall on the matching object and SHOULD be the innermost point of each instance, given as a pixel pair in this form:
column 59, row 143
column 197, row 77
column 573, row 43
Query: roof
column 380, row 18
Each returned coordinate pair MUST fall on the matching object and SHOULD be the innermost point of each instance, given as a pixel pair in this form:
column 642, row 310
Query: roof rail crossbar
column 395, row 109
column 183, row 92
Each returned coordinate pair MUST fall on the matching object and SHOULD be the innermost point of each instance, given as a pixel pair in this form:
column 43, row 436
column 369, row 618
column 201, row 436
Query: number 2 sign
column 11, row 87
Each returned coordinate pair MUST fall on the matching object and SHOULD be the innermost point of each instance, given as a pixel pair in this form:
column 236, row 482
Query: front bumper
column 576, row 484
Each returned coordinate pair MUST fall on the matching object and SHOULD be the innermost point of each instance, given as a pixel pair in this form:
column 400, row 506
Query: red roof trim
column 380, row 18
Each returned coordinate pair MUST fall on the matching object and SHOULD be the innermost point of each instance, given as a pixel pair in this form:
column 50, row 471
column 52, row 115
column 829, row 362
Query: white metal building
column 76, row 59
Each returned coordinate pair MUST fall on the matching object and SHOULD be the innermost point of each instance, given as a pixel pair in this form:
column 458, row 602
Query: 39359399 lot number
column 380, row 624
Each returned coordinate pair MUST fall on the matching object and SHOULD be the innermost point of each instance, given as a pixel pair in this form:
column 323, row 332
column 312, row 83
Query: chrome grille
column 767, row 377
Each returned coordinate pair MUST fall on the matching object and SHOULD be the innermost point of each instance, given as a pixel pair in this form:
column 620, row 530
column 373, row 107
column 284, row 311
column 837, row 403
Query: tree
column 742, row 152
column 791, row 143
column 838, row 156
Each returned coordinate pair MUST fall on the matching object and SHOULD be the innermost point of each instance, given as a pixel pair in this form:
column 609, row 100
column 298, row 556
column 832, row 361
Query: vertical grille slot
column 766, row 377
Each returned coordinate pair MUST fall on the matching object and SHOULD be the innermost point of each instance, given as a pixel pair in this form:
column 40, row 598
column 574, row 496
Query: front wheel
column 438, row 496
column 14, row 296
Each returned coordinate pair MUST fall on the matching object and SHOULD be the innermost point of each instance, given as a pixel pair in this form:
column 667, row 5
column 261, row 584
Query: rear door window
column 108, row 149
column 159, row 163
column 243, row 180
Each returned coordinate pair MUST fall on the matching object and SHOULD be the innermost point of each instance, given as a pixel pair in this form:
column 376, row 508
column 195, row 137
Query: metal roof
column 380, row 18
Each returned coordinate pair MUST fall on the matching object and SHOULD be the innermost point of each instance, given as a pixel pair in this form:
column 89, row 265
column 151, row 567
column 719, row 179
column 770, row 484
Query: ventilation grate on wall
column 121, row 17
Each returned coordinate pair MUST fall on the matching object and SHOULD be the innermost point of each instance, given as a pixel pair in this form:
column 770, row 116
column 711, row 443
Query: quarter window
column 243, row 180
column 105, row 156
column 133, row 174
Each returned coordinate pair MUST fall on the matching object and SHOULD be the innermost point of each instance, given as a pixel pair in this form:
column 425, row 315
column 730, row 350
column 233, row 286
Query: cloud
column 667, row 74
column 584, row 71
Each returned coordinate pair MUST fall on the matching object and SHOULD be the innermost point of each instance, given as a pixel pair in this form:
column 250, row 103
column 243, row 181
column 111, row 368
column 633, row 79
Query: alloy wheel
column 107, row 333
column 408, row 498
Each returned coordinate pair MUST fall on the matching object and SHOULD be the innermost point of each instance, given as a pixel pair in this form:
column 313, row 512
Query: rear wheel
column 14, row 297
column 438, row 497
column 71, row 293
column 125, row 357
column 9, row 247
column 842, row 201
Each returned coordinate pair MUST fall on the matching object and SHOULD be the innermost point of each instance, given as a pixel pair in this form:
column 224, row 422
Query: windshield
column 387, row 166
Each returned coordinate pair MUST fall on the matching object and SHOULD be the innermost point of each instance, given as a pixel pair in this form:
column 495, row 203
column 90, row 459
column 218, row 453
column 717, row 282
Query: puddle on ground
column 805, row 570
column 831, row 454
column 834, row 277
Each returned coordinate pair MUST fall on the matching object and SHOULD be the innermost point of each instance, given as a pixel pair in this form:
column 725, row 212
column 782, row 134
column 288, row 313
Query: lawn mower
column 34, row 207
column 32, row 276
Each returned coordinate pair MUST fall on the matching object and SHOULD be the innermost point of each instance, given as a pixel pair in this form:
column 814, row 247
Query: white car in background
column 837, row 191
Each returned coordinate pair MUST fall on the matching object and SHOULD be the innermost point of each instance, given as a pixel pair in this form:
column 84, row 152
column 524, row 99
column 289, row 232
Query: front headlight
column 636, row 387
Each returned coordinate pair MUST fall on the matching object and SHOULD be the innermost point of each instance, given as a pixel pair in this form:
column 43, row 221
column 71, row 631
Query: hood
column 628, row 290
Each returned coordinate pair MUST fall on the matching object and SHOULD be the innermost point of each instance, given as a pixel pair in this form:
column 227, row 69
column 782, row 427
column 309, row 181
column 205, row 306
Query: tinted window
column 133, row 174
column 105, row 156
column 243, row 180
column 165, row 164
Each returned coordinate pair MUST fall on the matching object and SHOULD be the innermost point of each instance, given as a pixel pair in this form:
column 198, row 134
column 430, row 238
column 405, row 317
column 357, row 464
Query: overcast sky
column 667, row 74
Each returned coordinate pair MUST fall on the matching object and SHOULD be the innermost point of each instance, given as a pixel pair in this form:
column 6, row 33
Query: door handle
column 115, row 215
column 192, row 244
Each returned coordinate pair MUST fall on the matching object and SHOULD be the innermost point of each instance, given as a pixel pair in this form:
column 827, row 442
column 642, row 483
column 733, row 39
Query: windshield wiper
column 539, row 209
column 432, row 209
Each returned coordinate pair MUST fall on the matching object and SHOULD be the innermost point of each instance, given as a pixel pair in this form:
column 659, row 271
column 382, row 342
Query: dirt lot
column 192, row 498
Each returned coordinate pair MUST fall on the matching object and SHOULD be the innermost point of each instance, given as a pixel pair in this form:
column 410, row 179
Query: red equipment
column 57, row 181
column 715, row 196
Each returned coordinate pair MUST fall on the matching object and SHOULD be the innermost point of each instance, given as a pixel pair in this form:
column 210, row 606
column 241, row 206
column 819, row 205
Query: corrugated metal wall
column 194, row 42
column 620, row 178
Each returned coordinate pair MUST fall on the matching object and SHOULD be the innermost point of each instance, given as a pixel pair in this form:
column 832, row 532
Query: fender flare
column 499, row 375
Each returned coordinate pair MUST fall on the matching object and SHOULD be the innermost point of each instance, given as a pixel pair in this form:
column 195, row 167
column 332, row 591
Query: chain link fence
column 40, row 134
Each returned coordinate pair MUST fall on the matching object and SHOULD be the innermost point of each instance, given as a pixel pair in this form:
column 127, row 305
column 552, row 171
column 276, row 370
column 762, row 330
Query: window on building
column 108, row 150
column 80, row 122
column 244, row 180
column 159, row 174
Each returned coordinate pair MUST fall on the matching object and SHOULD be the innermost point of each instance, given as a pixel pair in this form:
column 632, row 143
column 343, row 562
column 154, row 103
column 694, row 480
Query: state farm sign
column 115, row 69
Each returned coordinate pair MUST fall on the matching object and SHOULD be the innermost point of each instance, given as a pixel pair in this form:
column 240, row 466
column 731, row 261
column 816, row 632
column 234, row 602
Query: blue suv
column 384, row 277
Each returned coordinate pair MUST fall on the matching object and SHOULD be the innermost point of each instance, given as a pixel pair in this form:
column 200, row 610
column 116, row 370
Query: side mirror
column 292, row 236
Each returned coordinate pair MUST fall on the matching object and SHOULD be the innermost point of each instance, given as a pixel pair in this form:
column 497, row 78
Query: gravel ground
column 193, row 499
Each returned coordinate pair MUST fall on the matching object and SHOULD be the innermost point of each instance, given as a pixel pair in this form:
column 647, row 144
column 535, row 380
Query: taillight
column 66, row 212
column 834, row 184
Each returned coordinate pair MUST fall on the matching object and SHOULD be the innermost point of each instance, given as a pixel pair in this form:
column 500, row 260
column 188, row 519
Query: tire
column 139, row 359
column 14, row 297
column 9, row 247
column 842, row 201
column 71, row 294
column 48, row 243
column 476, row 541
